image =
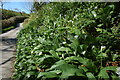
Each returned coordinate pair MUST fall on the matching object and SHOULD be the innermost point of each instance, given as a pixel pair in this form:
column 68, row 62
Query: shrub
column 13, row 21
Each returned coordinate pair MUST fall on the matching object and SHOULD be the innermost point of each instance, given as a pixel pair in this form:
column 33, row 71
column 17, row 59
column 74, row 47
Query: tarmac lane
column 7, row 52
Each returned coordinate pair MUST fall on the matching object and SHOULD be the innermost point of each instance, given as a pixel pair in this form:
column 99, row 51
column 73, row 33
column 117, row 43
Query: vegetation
column 10, row 19
column 26, row 21
column 6, row 14
column 13, row 21
column 69, row 41
column 7, row 29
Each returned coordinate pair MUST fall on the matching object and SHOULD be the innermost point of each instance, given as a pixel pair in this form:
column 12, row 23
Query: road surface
column 7, row 52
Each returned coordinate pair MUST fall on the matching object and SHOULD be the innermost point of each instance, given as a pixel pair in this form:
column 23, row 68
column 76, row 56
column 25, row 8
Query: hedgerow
column 70, row 41
column 13, row 21
column 6, row 14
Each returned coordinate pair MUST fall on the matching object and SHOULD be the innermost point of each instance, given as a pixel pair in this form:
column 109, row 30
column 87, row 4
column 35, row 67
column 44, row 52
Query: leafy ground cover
column 70, row 41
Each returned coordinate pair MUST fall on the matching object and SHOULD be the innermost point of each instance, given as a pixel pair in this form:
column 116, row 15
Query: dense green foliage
column 9, row 13
column 70, row 41
column 13, row 21
column 10, row 19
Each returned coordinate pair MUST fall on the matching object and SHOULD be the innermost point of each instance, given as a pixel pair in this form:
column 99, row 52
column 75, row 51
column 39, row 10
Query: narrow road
column 7, row 52
column 12, row 33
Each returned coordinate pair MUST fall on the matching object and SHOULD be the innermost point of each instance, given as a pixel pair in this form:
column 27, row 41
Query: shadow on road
column 8, row 41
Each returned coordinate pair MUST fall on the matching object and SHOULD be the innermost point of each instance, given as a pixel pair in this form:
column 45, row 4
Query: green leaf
column 47, row 74
column 80, row 59
column 84, row 68
column 62, row 28
column 112, row 6
column 102, row 55
column 67, row 69
column 90, row 76
column 41, row 40
column 63, row 49
column 60, row 65
column 42, row 59
column 56, row 71
column 94, row 13
column 99, row 25
column 88, row 63
column 72, row 72
column 30, row 73
column 74, row 44
column 54, row 54
column 77, row 31
column 67, row 73
column 104, row 74
column 112, row 68
column 114, row 77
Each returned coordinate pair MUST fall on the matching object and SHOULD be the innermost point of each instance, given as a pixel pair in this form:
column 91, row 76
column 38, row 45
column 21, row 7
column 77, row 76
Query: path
column 7, row 51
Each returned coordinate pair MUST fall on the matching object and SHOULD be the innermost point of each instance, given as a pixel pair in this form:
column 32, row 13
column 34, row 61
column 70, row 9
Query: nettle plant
column 69, row 41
